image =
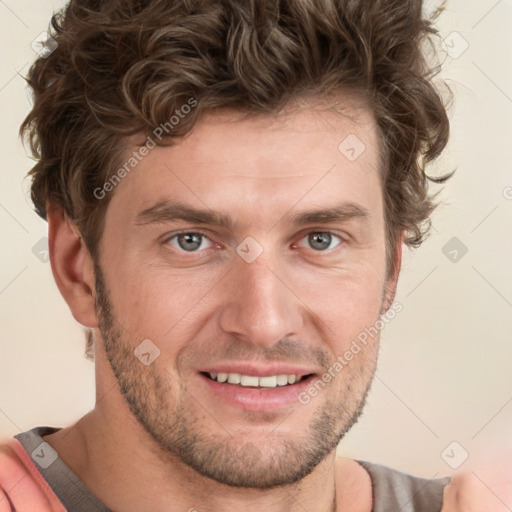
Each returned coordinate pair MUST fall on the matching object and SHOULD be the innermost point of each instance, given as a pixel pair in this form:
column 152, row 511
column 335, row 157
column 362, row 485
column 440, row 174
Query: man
column 228, row 186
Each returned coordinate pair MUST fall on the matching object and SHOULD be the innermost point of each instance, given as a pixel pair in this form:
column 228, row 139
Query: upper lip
column 258, row 369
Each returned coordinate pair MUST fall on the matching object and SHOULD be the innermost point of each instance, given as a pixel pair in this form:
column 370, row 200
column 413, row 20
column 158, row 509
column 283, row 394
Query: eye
column 320, row 241
column 189, row 242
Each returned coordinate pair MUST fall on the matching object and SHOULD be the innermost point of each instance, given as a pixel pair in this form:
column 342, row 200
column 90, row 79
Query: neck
column 112, row 466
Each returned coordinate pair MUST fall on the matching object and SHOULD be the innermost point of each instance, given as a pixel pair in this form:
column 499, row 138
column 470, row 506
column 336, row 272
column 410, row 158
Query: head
column 234, row 181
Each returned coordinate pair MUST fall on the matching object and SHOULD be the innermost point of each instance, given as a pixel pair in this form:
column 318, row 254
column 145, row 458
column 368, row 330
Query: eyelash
column 168, row 239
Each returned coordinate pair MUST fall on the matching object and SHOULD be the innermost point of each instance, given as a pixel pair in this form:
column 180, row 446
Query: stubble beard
column 274, row 460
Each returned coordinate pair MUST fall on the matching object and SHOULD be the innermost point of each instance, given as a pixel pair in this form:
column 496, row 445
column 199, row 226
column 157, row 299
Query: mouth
column 252, row 381
column 257, row 390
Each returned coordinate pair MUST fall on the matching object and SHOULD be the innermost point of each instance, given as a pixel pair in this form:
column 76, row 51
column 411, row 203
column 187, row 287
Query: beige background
column 445, row 369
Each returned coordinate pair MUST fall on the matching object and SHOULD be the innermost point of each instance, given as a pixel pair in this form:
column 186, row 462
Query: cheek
column 156, row 302
column 153, row 300
column 345, row 301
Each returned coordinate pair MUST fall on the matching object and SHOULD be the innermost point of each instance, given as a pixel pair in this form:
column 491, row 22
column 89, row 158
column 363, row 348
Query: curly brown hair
column 123, row 67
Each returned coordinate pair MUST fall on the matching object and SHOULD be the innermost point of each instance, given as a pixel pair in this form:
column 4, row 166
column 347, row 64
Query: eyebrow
column 168, row 211
column 341, row 213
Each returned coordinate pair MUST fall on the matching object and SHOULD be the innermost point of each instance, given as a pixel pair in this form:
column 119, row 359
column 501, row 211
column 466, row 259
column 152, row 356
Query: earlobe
column 72, row 267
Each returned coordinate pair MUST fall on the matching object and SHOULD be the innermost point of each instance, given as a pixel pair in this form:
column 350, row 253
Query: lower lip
column 257, row 399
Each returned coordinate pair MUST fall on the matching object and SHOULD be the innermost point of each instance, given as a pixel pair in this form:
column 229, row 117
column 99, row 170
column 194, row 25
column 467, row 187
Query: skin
column 484, row 484
column 158, row 436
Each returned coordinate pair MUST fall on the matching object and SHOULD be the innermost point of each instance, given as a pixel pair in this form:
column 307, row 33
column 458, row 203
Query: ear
column 72, row 267
column 394, row 272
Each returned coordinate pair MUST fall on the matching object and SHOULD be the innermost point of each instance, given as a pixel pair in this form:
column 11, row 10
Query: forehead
column 307, row 154
column 303, row 135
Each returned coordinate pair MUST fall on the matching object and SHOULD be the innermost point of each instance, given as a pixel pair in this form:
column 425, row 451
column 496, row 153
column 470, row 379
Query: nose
column 260, row 306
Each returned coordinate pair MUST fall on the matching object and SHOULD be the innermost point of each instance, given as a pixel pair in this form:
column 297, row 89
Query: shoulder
column 12, row 467
column 396, row 490
column 389, row 490
column 353, row 486
column 22, row 486
column 485, row 487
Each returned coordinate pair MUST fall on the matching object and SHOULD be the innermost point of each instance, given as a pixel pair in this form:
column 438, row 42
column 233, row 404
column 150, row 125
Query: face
column 253, row 251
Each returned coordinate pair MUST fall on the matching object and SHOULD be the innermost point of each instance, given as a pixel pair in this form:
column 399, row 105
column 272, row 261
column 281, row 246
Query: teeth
column 246, row 380
column 282, row 380
column 268, row 382
column 234, row 378
column 255, row 382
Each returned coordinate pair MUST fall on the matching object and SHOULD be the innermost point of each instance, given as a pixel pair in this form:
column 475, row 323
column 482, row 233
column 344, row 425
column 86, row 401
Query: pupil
column 189, row 241
column 320, row 240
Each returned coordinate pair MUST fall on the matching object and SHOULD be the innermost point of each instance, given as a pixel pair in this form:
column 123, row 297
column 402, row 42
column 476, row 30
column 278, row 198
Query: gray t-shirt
column 393, row 491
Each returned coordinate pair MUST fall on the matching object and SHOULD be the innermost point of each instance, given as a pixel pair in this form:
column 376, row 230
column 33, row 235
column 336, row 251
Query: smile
column 251, row 381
